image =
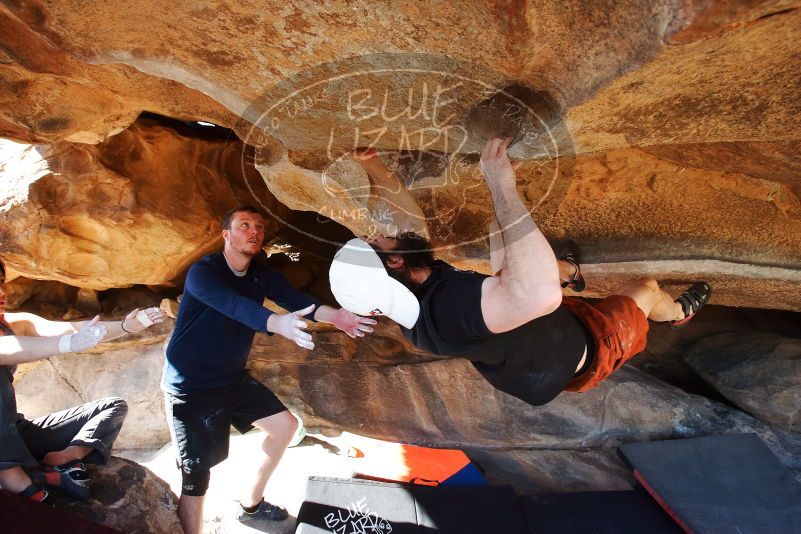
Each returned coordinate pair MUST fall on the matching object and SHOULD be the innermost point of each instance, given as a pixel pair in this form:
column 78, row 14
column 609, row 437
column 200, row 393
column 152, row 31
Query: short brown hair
column 246, row 208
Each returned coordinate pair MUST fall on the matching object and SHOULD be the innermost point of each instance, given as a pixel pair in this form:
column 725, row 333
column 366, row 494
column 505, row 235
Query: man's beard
column 416, row 253
column 404, row 276
column 243, row 249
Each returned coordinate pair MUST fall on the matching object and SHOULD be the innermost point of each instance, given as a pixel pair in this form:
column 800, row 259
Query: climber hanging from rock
column 50, row 452
column 516, row 327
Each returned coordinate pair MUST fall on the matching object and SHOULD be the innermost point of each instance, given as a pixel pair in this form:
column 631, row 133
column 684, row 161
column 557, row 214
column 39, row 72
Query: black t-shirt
column 533, row 362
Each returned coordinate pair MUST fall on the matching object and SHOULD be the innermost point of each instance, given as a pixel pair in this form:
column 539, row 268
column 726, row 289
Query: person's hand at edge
column 137, row 320
column 495, row 165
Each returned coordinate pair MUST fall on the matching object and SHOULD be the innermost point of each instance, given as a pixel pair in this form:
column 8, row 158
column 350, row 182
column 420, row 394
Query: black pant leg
column 94, row 424
column 13, row 450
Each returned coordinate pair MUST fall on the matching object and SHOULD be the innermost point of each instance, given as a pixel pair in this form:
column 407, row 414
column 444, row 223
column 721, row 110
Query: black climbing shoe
column 569, row 252
column 692, row 300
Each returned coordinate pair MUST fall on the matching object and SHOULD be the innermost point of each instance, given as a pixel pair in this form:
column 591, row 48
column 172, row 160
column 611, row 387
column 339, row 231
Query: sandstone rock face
column 50, row 95
column 128, row 367
column 235, row 53
column 759, row 372
column 446, row 403
column 659, row 132
column 136, row 209
column 129, row 498
column 22, row 290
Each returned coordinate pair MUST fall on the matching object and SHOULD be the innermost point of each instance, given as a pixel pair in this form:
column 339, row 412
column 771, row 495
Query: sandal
column 570, row 253
column 692, row 300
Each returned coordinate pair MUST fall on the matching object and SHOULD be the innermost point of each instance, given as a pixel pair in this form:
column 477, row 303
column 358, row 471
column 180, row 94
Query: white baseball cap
column 361, row 285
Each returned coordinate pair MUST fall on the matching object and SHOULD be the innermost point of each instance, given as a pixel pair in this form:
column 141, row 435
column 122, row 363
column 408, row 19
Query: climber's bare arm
column 407, row 215
column 497, row 255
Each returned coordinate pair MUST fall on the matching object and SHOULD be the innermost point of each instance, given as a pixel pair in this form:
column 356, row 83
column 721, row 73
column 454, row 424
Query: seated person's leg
column 14, row 479
column 84, row 432
column 59, row 440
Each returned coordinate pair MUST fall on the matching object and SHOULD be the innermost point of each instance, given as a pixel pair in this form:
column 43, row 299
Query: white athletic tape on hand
column 143, row 318
column 64, row 343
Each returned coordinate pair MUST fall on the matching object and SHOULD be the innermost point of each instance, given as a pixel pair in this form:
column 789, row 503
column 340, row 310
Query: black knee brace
column 195, row 484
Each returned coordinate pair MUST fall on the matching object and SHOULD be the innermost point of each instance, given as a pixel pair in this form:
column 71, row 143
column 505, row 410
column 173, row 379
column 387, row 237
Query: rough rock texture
column 669, row 105
column 435, row 402
column 130, row 498
column 128, row 367
column 49, row 94
column 136, row 209
column 759, row 372
column 684, row 117
column 233, row 53
column 23, row 291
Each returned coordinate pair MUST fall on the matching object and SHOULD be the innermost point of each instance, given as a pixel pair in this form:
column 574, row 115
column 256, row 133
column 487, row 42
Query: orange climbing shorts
column 620, row 330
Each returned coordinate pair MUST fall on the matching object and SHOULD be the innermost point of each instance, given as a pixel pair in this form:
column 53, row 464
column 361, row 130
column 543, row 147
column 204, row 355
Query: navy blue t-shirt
column 219, row 315
column 533, row 362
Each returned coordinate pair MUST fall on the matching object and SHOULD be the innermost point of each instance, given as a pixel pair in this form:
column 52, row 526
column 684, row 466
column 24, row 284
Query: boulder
column 129, row 498
column 446, row 403
column 757, row 371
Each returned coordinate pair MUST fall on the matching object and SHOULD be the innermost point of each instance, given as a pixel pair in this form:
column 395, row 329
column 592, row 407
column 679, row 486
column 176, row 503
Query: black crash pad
column 597, row 512
column 719, row 484
column 361, row 506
